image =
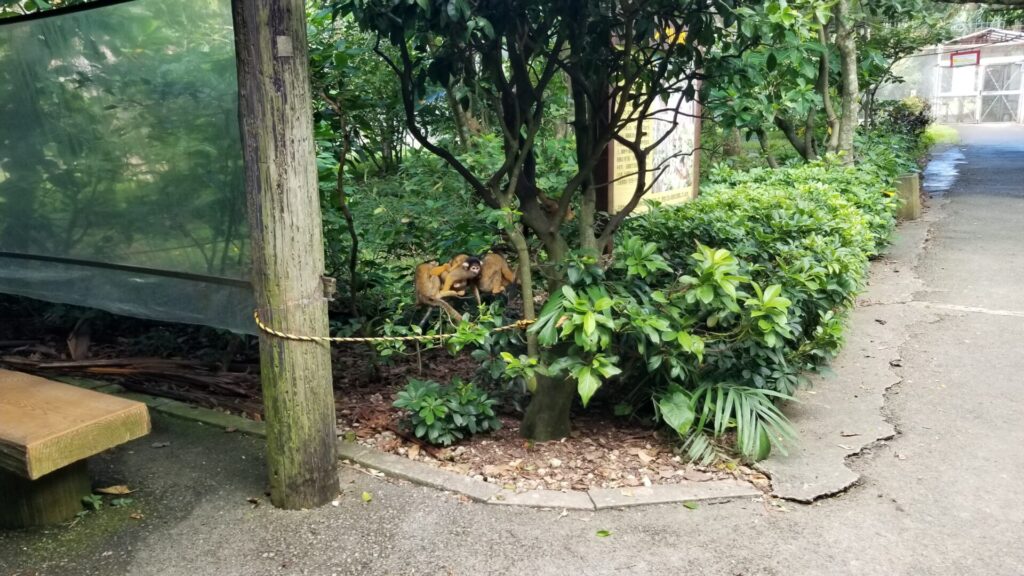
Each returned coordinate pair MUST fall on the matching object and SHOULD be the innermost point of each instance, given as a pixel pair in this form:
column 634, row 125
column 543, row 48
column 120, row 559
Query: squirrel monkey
column 434, row 283
column 429, row 292
column 495, row 275
column 458, row 273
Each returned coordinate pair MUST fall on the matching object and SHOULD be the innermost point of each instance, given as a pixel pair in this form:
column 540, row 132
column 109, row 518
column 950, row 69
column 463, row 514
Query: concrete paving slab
column 671, row 493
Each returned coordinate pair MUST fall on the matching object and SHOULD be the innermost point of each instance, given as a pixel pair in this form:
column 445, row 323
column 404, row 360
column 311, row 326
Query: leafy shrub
column 649, row 328
column 710, row 312
column 445, row 414
column 909, row 117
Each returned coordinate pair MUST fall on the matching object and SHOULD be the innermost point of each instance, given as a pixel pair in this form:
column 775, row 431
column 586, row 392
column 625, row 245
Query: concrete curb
column 417, row 472
column 426, row 475
column 174, row 407
column 595, row 499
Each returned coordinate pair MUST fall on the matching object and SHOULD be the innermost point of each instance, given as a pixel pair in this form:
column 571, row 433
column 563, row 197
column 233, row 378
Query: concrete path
column 943, row 496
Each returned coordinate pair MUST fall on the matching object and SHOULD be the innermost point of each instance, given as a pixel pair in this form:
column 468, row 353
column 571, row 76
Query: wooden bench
column 47, row 430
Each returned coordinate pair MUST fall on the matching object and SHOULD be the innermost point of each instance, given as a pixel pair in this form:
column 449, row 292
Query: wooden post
column 908, row 186
column 287, row 248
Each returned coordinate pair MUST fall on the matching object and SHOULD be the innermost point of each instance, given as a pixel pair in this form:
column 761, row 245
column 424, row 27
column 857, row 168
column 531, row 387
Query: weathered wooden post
column 287, row 248
column 908, row 186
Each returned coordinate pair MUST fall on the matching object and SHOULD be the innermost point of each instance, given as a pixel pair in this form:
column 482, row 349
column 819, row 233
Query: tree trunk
column 287, row 248
column 847, row 44
column 459, row 116
column 789, row 131
column 810, row 145
column 547, row 416
column 822, row 85
column 525, row 286
column 732, row 146
column 762, row 139
column 342, row 198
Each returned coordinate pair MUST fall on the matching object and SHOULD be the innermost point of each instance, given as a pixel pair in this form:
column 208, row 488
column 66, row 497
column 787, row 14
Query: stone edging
column 426, row 475
column 595, row 499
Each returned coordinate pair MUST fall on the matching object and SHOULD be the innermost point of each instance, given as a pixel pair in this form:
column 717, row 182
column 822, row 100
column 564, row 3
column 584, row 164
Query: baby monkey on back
column 435, row 282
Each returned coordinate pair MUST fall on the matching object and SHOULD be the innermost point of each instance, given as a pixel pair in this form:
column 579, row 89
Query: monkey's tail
column 447, row 308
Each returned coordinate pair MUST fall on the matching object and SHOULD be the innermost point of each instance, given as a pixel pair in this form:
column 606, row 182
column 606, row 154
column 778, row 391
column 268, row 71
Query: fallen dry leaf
column 696, row 476
column 413, row 451
column 136, row 516
column 492, row 471
column 254, row 501
column 119, row 489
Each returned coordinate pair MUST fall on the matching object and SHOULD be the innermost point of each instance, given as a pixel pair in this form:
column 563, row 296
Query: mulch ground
column 602, row 451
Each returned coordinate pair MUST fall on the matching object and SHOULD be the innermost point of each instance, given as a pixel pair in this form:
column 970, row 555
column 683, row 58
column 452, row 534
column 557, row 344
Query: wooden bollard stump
column 908, row 186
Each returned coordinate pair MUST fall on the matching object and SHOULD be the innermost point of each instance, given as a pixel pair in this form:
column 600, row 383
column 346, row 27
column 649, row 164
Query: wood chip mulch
column 602, row 451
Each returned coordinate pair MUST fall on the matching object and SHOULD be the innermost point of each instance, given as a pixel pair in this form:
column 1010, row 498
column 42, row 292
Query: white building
column 978, row 78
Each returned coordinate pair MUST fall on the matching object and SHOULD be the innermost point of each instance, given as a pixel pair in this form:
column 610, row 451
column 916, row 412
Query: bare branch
column 405, row 76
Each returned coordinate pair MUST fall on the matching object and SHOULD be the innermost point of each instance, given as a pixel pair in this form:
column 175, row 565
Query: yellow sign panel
column 671, row 35
column 965, row 58
column 673, row 163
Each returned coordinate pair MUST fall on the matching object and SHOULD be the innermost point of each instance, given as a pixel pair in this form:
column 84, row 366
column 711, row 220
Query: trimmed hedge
column 809, row 229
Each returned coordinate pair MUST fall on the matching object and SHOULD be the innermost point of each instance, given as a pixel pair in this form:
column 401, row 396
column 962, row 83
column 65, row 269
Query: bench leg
column 52, row 499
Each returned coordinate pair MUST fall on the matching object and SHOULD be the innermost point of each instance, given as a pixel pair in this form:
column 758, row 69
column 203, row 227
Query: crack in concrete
column 815, row 476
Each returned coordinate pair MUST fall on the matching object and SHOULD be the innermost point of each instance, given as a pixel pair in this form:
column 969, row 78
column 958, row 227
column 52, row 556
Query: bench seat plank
column 46, row 425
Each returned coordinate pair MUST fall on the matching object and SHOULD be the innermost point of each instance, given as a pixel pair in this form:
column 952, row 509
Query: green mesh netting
column 121, row 183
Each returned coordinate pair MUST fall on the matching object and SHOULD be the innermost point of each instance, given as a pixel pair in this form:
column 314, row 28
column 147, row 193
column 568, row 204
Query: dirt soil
column 602, row 452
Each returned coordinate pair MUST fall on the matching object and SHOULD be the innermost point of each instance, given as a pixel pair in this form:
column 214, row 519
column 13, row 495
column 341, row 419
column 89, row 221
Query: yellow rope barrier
column 517, row 325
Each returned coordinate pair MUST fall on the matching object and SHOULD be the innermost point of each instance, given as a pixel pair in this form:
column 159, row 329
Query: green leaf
column 589, row 323
column 92, row 502
column 677, row 411
column 690, row 505
column 367, row 497
column 706, row 293
column 587, row 384
column 604, row 533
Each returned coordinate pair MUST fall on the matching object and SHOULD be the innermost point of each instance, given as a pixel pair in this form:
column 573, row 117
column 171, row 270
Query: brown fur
column 460, row 275
column 429, row 291
column 495, row 274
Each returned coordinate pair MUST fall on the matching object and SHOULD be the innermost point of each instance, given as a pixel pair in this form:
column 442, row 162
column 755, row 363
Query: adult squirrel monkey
column 429, row 292
column 458, row 273
column 495, row 275
column 434, row 283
